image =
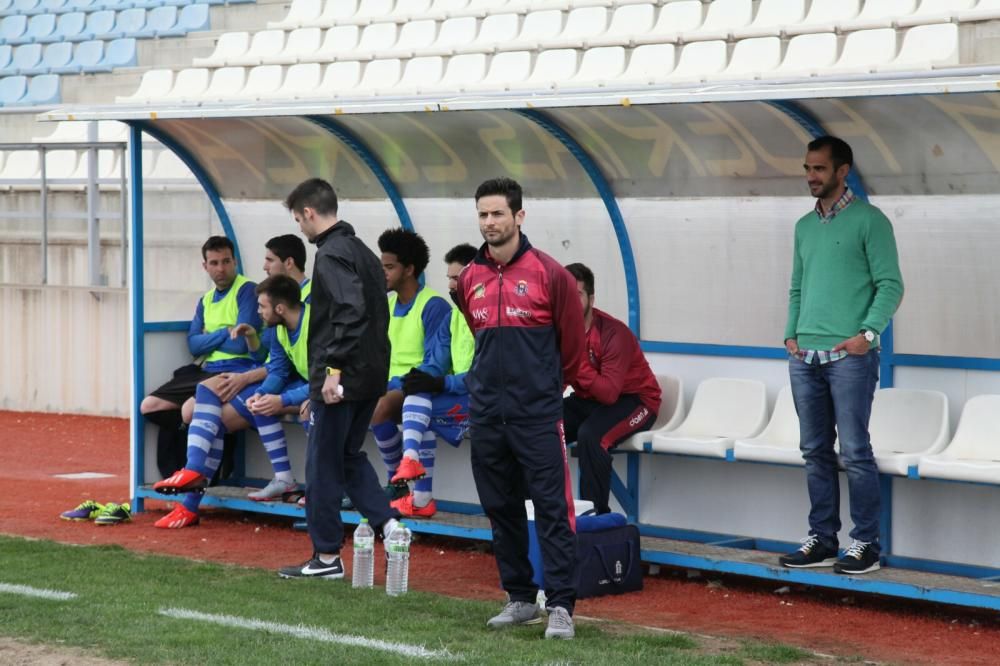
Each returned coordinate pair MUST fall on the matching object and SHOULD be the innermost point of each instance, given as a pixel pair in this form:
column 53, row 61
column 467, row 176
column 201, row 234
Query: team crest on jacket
column 522, row 288
column 479, row 291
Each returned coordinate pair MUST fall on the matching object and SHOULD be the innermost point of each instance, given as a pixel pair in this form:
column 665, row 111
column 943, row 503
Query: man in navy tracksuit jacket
column 523, row 309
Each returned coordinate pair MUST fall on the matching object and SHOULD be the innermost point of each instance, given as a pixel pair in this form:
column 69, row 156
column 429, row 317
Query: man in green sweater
column 846, row 285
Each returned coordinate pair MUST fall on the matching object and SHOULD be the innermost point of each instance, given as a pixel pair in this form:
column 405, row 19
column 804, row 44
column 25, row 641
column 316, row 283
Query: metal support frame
column 610, row 203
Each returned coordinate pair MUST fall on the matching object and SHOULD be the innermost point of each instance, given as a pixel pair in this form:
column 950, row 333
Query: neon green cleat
column 87, row 510
column 114, row 514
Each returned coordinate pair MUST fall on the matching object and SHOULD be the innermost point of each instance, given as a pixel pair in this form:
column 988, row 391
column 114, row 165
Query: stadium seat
column 698, row 60
column 20, row 165
column 263, row 82
column 168, row 169
column 722, row 411
column 582, row 25
column 40, row 27
column 370, row 10
column 6, row 56
column 130, row 22
column 121, row 53
column 379, row 78
column 54, row 6
column 550, row 67
column 375, row 38
column 925, row 47
column 496, row 30
column 264, row 46
column 301, row 13
column 159, row 22
column 880, row 14
column 301, row 45
column 61, row 164
column 807, row 55
column 5, row 5
column 985, row 10
column 669, row 417
column 722, row 18
column 189, row 84
column 825, row 17
column 100, row 24
column 226, row 83
column 338, row 42
column 25, row 6
column 684, row 16
column 408, row 10
column 339, row 77
column 191, row 18
column 301, row 80
column 413, row 36
column 43, row 90
column 456, row 34
column 907, row 425
column 974, row 451
column 934, row 11
column 12, row 28
column 772, row 18
column 12, row 89
column 155, row 84
column 779, row 441
column 69, row 26
column 752, row 58
column 420, row 74
column 58, row 58
column 89, row 56
column 865, row 50
column 649, row 64
column 334, row 13
column 506, row 69
column 463, row 71
column 27, row 59
column 627, row 23
column 599, row 67
column 229, row 47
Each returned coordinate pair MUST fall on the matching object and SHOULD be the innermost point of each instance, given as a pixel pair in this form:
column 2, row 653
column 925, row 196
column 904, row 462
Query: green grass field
column 122, row 597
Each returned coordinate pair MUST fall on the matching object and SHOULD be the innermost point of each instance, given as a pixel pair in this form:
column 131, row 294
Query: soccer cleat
column 182, row 481
column 273, row 490
column 405, row 506
column 84, row 511
column 314, row 568
column 516, row 613
column 178, row 518
column 560, row 624
column 112, row 514
column 394, row 492
column 811, row 554
column 409, row 469
column 862, row 557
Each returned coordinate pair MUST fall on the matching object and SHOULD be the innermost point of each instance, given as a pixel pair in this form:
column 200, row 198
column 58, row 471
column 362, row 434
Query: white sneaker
column 560, row 624
column 273, row 490
column 515, row 613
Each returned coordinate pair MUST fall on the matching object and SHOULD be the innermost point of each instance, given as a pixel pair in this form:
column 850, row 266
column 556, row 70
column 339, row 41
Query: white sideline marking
column 302, row 631
column 26, row 591
column 84, row 475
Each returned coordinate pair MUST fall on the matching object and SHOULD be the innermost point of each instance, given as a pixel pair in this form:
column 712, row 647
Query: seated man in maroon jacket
column 615, row 394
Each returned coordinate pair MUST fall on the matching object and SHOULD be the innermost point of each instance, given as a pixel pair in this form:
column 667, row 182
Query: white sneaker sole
column 874, row 567
column 829, row 562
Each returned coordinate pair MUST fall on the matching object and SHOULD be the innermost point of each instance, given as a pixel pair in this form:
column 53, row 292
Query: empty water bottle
column 363, row 574
column 397, row 549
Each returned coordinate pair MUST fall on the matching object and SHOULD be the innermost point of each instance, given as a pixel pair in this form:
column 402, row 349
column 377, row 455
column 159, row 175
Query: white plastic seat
column 506, row 69
column 190, row 83
column 826, row 16
column 380, row 77
column 932, row 11
column 61, row 164
column 926, row 47
column 752, row 58
column 302, row 45
column 722, row 411
column 582, row 25
column 496, row 29
column 339, row 79
column 974, row 451
column 550, row 67
column 880, row 14
column 865, row 50
column 456, row 34
column 599, row 66
column 722, row 19
column 167, row 169
column 413, row 37
column 419, row 74
column 668, row 418
column 371, row 10
column 906, row 425
column 334, row 12
column 985, row 10
column 301, row 13
column 154, row 84
column 650, row 63
column 265, row 45
column 338, row 42
column 262, row 83
column 779, row 441
column 698, row 60
column 807, row 55
column 21, row 165
column 684, row 16
column 231, row 45
column 226, row 83
column 772, row 18
column 538, row 26
column 463, row 71
column 301, row 80
column 405, row 10
column 375, row 38
column 627, row 24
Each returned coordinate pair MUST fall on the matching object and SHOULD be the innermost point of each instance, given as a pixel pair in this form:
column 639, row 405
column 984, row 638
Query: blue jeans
column 838, row 394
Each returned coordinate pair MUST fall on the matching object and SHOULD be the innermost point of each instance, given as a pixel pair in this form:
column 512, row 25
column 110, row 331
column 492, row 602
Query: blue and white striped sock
column 192, row 501
column 389, row 442
column 206, row 426
column 273, row 436
column 422, row 488
column 416, row 419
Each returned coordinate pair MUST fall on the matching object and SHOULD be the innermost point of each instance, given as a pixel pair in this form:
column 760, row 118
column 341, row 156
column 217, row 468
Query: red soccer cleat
column 183, row 481
column 408, row 470
column 405, row 506
column 178, row 518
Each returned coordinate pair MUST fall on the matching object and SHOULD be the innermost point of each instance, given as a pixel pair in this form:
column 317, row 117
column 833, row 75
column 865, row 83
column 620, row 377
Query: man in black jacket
column 348, row 364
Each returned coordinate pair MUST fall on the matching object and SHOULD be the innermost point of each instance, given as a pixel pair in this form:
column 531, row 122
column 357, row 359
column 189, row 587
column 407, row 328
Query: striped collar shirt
column 843, row 202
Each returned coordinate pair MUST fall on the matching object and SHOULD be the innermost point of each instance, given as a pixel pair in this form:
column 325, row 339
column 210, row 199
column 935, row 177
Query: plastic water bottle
column 363, row 574
column 397, row 548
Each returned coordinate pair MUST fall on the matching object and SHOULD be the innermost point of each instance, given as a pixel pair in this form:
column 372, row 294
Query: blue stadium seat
column 42, row 89
column 54, row 6
column 27, row 59
column 12, row 28
column 6, row 53
column 89, row 56
column 82, row 5
column 190, row 19
column 12, row 89
column 116, row 5
column 5, row 6
column 25, row 6
column 130, row 22
column 58, row 58
column 69, row 26
column 99, row 24
column 40, row 26
column 159, row 21
column 121, row 53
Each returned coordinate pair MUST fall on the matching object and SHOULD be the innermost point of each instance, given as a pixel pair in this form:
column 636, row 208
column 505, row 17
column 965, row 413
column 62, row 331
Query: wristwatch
column 869, row 336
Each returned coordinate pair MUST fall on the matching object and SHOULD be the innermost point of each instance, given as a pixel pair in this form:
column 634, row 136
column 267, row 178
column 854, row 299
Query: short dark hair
column 217, row 244
column 840, row 151
column 409, row 248
column 281, row 289
column 314, row 193
column 463, row 254
column 288, row 245
column 584, row 275
column 508, row 187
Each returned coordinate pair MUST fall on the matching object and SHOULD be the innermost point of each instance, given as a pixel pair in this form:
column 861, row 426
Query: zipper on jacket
column 503, row 376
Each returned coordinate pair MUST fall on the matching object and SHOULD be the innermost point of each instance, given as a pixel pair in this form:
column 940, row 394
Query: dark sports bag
column 607, row 552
